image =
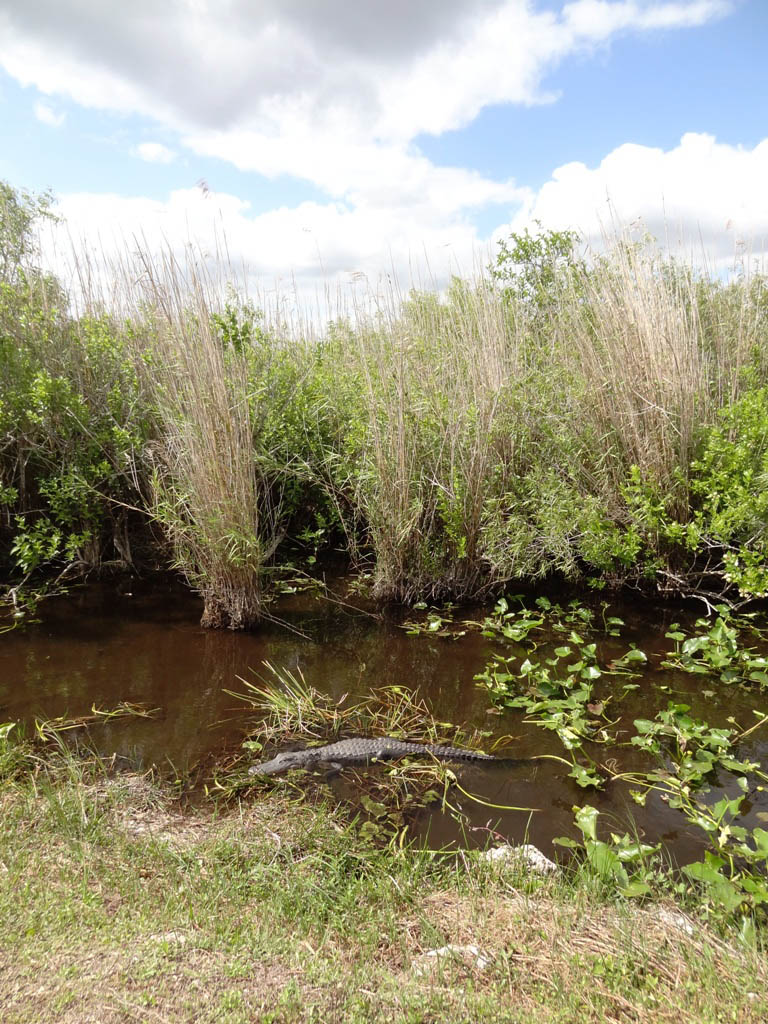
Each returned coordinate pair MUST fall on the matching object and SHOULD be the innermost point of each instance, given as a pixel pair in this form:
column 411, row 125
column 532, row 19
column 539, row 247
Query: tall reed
column 434, row 375
column 207, row 488
column 503, row 431
column 652, row 358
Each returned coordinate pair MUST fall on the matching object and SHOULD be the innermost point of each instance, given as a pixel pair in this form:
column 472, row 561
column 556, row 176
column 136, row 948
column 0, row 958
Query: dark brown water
column 141, row 642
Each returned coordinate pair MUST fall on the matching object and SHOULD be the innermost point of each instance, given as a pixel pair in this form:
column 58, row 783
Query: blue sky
column 649, row 89
column 333, row 145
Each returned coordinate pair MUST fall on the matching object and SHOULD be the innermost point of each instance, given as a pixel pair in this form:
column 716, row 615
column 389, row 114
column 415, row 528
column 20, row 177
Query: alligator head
column 283, row 763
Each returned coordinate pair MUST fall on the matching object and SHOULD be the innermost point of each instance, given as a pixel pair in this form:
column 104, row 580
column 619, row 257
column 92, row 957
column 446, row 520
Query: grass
column 289, row 708
column 435, row 425
column 207, row 489
column 117, row 905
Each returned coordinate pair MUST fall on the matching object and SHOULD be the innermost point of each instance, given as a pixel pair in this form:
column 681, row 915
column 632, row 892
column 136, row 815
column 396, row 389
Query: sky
column 330, row 142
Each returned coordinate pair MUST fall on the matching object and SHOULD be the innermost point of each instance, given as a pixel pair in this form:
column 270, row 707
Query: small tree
column 527, row 266
column 19, row 213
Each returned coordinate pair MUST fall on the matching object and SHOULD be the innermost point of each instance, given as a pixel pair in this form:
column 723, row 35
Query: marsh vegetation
column 602, row 419
column 598, row 420
column 120, row 903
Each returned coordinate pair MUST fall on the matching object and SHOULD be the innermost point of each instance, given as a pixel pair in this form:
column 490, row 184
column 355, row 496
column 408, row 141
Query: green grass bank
column 119, row 905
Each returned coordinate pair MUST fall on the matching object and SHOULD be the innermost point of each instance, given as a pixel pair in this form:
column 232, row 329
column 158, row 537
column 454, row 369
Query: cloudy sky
column 328, row 139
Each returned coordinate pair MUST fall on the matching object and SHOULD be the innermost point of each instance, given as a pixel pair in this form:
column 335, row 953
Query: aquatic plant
column 717, row 649
column 623, row 861
column 436, row 622
column 290, row 708
column 556, row 693
column 731, row 878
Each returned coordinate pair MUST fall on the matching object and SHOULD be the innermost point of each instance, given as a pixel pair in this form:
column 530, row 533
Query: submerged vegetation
column 603, row 419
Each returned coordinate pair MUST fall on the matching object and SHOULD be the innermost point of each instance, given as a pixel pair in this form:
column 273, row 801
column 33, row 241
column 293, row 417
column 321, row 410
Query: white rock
column 526, row 854
column 473, row 956
column 171, row 938
column 674, row 919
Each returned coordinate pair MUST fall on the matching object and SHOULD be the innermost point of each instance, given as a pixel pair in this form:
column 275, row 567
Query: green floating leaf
column 571, row 844
column 636, row 655
column 585, row 776
column 377, row 810
column 643, row 725
column 760, row 839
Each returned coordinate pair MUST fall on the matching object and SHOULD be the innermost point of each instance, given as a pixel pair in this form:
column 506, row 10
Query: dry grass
column 434, row 377
column 657, row 355
column 548, row 944
column 162, row 978
column 207, row 490
column 489, row 429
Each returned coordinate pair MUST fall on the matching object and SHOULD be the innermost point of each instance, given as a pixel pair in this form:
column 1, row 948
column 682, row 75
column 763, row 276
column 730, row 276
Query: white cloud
column 598, row 19
column 382, row 176
column 337, row 76
column 335, row 94
column 702, row 194
column 503, row 56
column 155, row 153
column 46, row 114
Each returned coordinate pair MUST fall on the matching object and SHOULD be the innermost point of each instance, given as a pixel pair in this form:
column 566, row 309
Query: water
column 141, row 642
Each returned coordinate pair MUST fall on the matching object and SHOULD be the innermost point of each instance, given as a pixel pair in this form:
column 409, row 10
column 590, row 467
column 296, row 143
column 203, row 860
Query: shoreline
column 120, row 906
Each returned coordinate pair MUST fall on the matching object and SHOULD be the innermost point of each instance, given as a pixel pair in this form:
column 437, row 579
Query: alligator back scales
column 362, row 751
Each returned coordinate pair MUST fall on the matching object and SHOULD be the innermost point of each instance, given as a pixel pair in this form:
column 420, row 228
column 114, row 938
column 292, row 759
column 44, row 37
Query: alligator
column 362, row 751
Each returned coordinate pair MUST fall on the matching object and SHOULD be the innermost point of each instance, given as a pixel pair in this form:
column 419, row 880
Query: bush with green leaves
column 72, row 417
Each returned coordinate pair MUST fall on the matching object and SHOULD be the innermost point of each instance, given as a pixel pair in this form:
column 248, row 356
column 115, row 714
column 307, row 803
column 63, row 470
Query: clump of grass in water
column 295, row 710
column 59, row 743
column 208, row 488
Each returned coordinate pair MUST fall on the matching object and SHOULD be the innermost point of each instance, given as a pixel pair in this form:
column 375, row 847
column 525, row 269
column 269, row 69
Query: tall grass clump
column 650, row 377
column 550, row 418
column 207, row 484
column 434, row 439
column 656, row 351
